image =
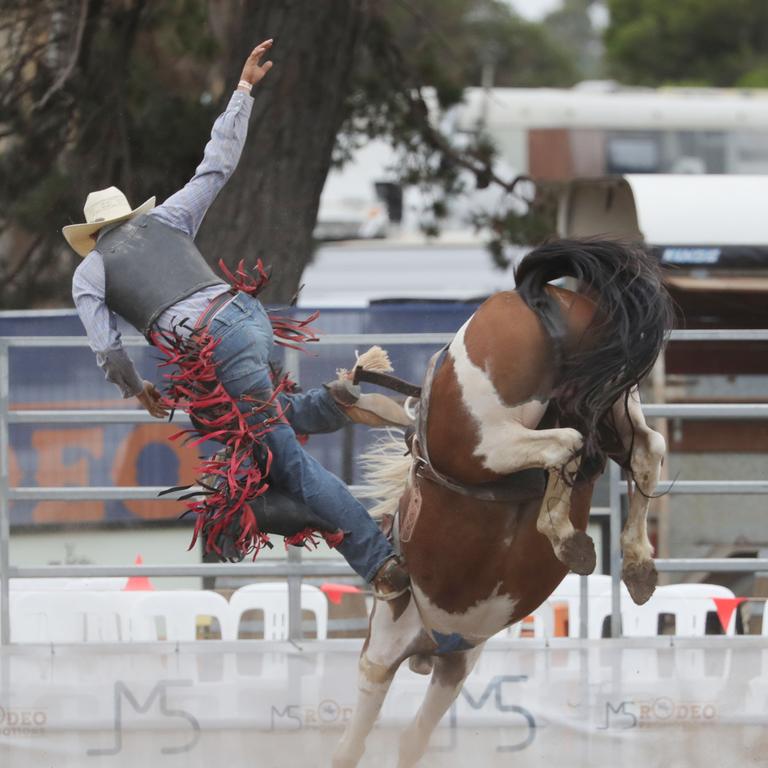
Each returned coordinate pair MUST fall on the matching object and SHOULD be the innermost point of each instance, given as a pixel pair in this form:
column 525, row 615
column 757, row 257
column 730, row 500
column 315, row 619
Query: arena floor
column 571, row 704
column 680, row 747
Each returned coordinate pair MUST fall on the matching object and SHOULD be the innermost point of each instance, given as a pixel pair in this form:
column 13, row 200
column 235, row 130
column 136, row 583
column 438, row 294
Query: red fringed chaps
column 242, row 475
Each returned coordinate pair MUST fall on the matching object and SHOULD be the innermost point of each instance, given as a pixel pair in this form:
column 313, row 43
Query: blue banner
column 115, row 454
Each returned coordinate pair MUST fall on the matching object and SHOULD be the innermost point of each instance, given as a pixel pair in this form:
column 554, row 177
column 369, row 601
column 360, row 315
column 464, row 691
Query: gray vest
column 148, row 267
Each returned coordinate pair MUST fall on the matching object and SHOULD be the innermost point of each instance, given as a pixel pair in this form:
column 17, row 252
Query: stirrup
column 400, row 584
column 387, row 596
column 373, row 409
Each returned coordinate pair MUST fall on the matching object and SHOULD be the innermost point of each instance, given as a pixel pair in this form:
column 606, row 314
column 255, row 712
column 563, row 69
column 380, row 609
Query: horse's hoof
column 578, row 553
column 640, row 579
column 420, row 663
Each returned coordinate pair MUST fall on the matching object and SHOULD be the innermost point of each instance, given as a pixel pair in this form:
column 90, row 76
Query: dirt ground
column 663, row 747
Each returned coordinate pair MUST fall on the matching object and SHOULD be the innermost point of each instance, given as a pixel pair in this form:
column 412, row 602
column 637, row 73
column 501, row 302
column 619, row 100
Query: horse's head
column 611, row 336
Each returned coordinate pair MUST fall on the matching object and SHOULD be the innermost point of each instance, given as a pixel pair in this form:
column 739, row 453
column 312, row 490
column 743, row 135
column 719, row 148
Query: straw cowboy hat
column 102, row 207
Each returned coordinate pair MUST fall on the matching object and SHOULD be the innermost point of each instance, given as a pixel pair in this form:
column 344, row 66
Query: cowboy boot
column 391, row 580
column 373, row 409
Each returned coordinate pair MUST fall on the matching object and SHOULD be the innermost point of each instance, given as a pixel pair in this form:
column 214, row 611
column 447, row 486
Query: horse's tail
column 632, row 321
column 386, row 466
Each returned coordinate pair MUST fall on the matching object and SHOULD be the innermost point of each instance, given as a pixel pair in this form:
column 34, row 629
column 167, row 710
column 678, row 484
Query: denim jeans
column 242, row 366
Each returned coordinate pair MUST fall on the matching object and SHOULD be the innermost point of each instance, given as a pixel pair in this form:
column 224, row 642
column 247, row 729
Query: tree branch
column 417, row 117
column 12, row 274
column 470, row 161
column 14, row 86
column 61, row 81
column 427, row 23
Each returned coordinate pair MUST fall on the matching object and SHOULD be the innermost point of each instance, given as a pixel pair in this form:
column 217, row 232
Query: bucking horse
column 515, row 421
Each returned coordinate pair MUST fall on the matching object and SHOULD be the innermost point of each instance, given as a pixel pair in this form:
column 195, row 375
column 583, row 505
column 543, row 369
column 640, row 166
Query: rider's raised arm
column 186, row 208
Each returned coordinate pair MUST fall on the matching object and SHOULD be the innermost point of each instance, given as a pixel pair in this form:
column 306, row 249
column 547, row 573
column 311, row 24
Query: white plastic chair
column 180, row 609
column 63, row 616
column 123, row 603
column 688, row 603
column 539, row 625
column 599, row 592
column 272, row 599
column 568, row 593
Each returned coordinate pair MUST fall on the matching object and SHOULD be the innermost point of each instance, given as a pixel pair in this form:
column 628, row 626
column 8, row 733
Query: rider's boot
column 374, row 409
column 391, row 580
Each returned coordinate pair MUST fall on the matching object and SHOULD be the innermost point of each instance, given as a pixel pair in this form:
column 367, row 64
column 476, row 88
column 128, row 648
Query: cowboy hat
column 102, row 207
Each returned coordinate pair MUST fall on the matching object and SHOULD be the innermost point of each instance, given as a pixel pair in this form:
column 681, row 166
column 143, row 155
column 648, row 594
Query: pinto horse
column 517, row 416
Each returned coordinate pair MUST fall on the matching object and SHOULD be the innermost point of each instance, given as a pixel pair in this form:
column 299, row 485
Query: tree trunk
column 268, row 208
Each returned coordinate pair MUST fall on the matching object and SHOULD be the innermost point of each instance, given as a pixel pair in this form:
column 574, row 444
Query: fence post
column 5, row 442
column 661, row 504
column 291, row 364
column 615, row 542
column 583, row 607
column 295, row 629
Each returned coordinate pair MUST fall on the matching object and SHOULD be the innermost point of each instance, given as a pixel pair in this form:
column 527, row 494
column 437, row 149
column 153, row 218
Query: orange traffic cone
column 138, row 583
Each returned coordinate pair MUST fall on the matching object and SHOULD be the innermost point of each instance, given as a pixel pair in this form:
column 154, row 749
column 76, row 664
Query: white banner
column 274, row 705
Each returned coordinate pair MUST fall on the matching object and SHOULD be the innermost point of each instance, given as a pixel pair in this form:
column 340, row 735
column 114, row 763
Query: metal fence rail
column 293, row 569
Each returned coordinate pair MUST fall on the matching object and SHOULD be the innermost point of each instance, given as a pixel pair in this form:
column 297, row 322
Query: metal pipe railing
column 282, row 570
column 116, row 493
column 701, row 411
column 132, row 340
column 294, row 570
column 150, row 493
column 5, row 517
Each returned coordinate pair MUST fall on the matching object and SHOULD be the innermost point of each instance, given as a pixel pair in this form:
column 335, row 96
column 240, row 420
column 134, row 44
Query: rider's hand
column 254, row 70
column 152, row 400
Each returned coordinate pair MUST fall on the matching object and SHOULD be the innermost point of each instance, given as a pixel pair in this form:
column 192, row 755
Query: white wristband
column 245, row 84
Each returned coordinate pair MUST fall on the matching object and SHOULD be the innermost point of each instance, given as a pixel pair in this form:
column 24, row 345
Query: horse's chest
column 475, row 624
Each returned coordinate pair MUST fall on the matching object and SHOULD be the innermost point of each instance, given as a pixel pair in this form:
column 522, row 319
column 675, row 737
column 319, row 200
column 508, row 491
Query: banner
column 118, row 454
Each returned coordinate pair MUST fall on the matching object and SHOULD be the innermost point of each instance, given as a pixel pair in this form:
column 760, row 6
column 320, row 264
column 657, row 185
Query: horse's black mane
column 633, row 319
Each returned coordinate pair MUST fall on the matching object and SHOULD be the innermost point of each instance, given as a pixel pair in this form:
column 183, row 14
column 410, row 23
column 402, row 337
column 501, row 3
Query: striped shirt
column 183, row 210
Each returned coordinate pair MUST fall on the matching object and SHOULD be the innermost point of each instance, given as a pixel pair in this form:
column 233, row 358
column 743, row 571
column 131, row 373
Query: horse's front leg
column 395, row 633
column 646, row 449
column 572, row 547
column 512, row 446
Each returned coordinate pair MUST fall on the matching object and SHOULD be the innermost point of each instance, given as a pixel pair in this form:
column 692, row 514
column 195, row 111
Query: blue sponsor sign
column 116, row 454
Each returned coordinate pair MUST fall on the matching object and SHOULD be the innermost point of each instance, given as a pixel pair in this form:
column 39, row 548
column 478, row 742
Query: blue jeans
column 242, row 366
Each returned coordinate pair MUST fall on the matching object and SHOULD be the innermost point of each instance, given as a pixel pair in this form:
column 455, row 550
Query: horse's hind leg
column 450, row 672
column 396, row 632
column 647, row 450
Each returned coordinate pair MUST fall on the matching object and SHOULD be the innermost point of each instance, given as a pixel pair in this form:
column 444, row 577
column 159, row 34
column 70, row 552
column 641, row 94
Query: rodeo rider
column 143, row 265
